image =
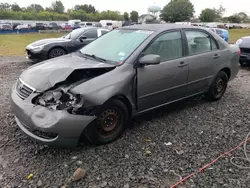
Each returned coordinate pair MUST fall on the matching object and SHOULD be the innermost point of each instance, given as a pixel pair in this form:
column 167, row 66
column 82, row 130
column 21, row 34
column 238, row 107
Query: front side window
column 92, row 34
column 168, row 46
column 117, row 45
column 200, row 42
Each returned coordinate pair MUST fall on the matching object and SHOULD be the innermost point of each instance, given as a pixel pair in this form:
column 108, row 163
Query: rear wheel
column 218, row 87
column 56, row 52
column 242, row 63
column 109, row 125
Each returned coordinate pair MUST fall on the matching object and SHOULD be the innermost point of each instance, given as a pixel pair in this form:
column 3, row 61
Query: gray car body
column 140, row 88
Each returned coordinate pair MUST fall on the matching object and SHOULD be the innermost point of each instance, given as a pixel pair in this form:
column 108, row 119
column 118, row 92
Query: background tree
column 134, row 16
column 208, row 15
column 178, row 10
column 5, row 6
column 58, row 6
column 15, row 7
column 35, row 7
column 244, row 17
column 126, row 16
column 86, row 8
column 234, row 18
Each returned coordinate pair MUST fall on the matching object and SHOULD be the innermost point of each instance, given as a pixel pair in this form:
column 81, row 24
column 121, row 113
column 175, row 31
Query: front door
column 204, row 57
column 167, row 81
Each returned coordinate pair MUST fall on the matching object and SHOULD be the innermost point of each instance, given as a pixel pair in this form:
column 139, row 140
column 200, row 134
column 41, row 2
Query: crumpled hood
column 45, row 75
column 47, row 41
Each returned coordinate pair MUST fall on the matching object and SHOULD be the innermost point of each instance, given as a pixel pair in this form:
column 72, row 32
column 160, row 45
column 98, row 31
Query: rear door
column 167, row 81
column 203, row 60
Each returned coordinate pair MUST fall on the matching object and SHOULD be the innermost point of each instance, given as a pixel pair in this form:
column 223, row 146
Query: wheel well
column 57, row 47
column 227, row 71
column 125, row 100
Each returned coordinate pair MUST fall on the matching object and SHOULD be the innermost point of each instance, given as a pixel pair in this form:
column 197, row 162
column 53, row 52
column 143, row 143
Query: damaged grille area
column 23, row 91
column 45, row 135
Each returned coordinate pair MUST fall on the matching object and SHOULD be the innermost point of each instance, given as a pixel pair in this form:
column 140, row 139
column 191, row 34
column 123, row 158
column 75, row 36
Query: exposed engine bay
column 60, row 98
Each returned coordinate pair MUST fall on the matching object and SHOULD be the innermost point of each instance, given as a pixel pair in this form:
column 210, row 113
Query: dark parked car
column 54, row 26
column 54, row 47
column 92, row 93
column 38, row 26
column 244, row 44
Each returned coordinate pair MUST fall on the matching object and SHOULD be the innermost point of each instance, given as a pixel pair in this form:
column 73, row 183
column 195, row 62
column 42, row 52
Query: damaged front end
column 60, row 98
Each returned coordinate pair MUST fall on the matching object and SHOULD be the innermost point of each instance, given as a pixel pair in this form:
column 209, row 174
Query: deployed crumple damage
column 60, row 98
column 47, row 74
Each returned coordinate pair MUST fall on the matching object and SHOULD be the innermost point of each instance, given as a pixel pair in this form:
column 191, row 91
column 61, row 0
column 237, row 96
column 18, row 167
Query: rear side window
column 104, row 32
column 91, row 34
column 200, row 42
column 168, row 46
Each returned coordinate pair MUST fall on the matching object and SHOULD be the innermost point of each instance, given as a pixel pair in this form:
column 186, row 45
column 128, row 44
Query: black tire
column 56, row 52
column 100, row 131
column 242, row 63
column 218, row 87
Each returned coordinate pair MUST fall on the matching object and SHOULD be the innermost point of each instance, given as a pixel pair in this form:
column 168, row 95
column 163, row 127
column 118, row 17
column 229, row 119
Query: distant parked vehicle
column 6, row 27
column 38, row 26
column 107, row 24
column 54, row 47
column 244, row 44
column 223, row 33
column 23, row 27
column 86, row 24
column 15, row 24
column 97, row 24
column 66, row 26
column 53, row 26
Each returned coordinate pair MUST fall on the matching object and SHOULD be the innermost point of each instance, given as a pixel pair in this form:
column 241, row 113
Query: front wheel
column 218, row 87
column 56, row 52
column 109, row 125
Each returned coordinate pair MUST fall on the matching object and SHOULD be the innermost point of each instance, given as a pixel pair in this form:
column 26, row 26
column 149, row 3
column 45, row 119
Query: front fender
column 97, row 91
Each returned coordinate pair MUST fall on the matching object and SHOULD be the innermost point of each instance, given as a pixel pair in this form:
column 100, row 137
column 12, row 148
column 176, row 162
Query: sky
column 232, row 6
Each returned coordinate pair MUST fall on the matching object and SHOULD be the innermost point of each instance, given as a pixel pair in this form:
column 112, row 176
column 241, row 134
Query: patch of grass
column 11, row 45
column 235, row 34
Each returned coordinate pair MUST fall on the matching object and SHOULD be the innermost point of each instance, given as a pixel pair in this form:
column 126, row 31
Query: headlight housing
column 239, row 41
column 61, row 100
column 37, row 48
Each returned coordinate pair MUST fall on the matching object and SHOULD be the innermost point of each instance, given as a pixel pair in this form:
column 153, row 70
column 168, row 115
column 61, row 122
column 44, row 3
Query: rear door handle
column 216, row 56
column 182, row 64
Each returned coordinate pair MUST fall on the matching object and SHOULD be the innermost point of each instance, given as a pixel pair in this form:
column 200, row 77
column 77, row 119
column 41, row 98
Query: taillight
column 239, row 52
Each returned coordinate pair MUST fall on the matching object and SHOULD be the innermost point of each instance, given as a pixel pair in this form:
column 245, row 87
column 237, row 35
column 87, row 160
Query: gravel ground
column 143, row 157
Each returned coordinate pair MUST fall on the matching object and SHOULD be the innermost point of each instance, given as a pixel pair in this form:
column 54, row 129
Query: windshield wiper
column 96, row 58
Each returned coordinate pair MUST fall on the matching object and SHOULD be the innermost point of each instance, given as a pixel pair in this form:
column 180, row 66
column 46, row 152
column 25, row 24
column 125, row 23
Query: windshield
column 116, row 45
column 74, row 34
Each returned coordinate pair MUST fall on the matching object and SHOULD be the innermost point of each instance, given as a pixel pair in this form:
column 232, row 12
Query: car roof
column 159, row 27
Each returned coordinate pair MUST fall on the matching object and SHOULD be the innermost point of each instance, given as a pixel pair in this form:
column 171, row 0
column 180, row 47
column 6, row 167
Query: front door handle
column 182, row 64
column 216, row 56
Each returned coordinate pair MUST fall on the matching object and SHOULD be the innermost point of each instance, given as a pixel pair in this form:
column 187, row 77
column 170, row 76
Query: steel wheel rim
column 108, row 122
column 219, row 86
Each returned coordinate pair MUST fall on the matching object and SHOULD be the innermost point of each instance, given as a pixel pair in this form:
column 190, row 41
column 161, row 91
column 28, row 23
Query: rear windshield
column 39, row 24
column 89, row 24
column 109, row 24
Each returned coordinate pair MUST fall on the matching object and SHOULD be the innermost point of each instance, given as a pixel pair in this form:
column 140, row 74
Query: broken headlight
column 61, row 100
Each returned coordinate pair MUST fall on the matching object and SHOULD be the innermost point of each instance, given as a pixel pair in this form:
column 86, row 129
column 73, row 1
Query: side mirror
column 82, row 38
column 150, row 59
